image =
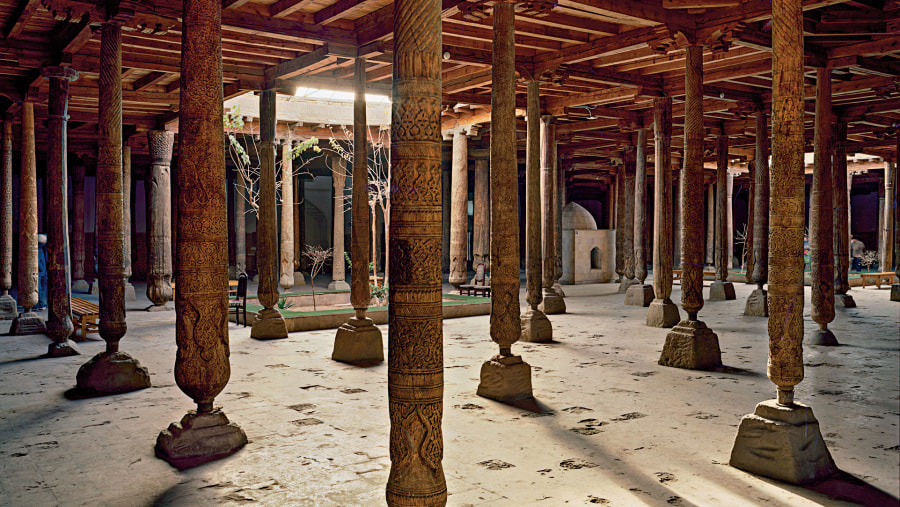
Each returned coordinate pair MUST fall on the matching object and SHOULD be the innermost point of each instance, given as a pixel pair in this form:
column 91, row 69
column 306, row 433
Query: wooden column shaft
column 761, row 202
column 159, row 217
column 28, row 226
column 821, row 231
column 640, row 207
column 78, row 171
column 339, row 180
column 628, row 168
column 359, row 213
column 533, row 261
column 840, row 216
column 286, row 243
column 547, row 211
column 692, row 186
column 266, row 230
column 722, row 255
column 662, row 211
column 6, row 232
column 459, row 214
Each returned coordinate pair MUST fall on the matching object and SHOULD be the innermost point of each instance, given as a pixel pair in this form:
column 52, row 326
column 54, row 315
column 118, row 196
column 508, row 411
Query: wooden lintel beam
column 878, row 106
column 149, row 80
column 296, row 66
column 21, row 17
column 296, row 30
column 868, row 48
column 699, row 4
column 284, row 8
column 233, row 4
column 336, row 10
column 557, row 106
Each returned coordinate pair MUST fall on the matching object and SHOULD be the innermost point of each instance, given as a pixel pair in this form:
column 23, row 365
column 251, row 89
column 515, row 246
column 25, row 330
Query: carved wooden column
column 721, row 288
column 481, row 223
column 677, row 222
column 358, row 341
column 710, row 225
column 126, row 221
column 886, row 262
column 783, row 431
column 159, row 221
column 28, row 322
column 201, row 266
column 415, row 335
column 747, row 258
column 628, row 168
column 78, row 282
column 287, row 217
column 112, row 371
column 691, row 344
column 339, row 179
column 446, row 193
column 269, row 323
column 841, row 217
column 505, row 376
column 620, row 225
column 663, row 312
column 459, row 216
column 59, row 290
column 536, row 326
column 895, row 198
column 7, row 303
column 240, row 226
column 821, row 208
column 559, row 201
column 552, row 302
column 640, row 294
column 758, row 301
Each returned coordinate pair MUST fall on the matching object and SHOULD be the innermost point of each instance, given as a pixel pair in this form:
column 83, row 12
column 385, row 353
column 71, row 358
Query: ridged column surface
column 78, row 171
column 840, row 216
column 202, row 365
column 677, row 221
column 640, row 207
column 786, row 215
column 761, row 202
column 110, row 225
column 415, row 336
column 126, row 211
column 505, row 320
column 722, row 253
column 159, row 217
column 459, row 214
column 559, row 202
column 628, row 167
column 547, row 210
column 533, row 257
column 821, row 228
column 59, row 287
column 692, row 186
column 748, row 258
column 662, row 209
column 359, row 213
column 886, row 262
column 481, row 219
column 29, row 277
column 6, row 232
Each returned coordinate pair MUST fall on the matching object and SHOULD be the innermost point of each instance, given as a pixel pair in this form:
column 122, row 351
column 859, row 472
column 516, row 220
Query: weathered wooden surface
column 459, row 215
column 159, row 218
column 662, row 188
column 359, row 212
column 761, row 202
column 126, row 213
column 287, row 218
column 640, row 207
column 628, row 168
column 821, row 208
column 415, row 359
column 78, row 171
column 723, row 256
column 240, row 225
column 840, row 216
column 481, row 219
column 533, row 257
column 28, row 226
column 339, row 180
column 547, row 210
column 692, row 186
column 6, row 232
column 266, row 230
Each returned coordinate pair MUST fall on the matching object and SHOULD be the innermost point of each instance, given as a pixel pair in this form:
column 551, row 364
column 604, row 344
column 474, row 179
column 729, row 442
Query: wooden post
column 339, row 180
column 78, row 282
column 691, row 344
column 505, row 376
column 895, row 199
column 628, row 168
column 415, row 336
column 710, row 225
column 286, row 279
column 358, row 341
column 481, row 226
column 722, row 288
column 886, row 262
column 677, row 222
column 459, row 215
column 535, row 325
column 240, row 225
column 269, row 323
column 781, row 429
column 748, row 258
column 59, row 289
column 7, row 303
column 126, row 221
column 552, row 302
column 28, row 322
column 640, row 207
column 159, row 221
column 663, row 312
column 821, row 229
column 620, row 224
column 841, row 217
column 758, row 302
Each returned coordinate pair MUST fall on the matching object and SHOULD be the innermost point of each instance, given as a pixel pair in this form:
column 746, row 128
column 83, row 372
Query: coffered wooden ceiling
column 600, row 62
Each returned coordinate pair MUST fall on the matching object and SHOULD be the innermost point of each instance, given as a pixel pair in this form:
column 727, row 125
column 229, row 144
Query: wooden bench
column 475, row 290
column 85, row 314
column 707, row 275
column 885, row 276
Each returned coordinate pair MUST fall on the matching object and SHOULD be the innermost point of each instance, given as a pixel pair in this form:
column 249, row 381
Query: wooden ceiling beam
column 867, row 48
column 296, row 66
column 632, row 39
column 22, row 17
column 149, row 80
column 633, row 12
column 284, row 8
column 599, row 97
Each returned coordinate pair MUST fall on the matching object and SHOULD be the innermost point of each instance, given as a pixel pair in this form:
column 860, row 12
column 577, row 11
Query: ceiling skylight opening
column 323, row 94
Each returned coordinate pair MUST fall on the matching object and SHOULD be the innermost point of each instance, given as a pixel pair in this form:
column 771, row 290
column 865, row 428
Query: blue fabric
column 42, row 271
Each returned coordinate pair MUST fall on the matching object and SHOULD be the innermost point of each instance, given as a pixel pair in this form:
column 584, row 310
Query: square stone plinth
column 505, row 378
column 639, row 295
column 895, row 292
column 625, row 284
column 358, row 342
column 198, row 439
column 721, row 290
column 757, row 304
column 536, row 327
column 112, row 373
column 663, row 313
column 783, row 443
column 268, row 325
column 8, row 307
column 552, row 303
column 691, row 345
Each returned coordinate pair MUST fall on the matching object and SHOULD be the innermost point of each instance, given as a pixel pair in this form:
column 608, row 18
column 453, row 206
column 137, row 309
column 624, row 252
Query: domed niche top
column 576, row 218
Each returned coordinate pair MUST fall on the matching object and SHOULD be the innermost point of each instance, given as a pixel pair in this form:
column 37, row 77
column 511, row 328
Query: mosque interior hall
column 467, row 252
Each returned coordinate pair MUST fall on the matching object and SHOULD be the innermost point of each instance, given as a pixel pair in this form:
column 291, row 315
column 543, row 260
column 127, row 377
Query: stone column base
column 268, row 325
column 298, row 279
column 505, row 378
column 782, row 443
column 895, row 292
column 198, row 439
column 552, row 303
column 557, row 288
column 639, row 295
column 129, row 292
column 625, row 284
column 757, row 304
column 8, row 308
column 27, row 323
column 846, row 300
column 338, row 285
column 358, row 342
column 286, row 282
column 822, row 337
column 691, row 345
column 95, row 287
column 536, row 327
column 63, row 349
column 721, row 290
column 663, row 313
column 160, row 308
column 111, row 373
column 80, row 286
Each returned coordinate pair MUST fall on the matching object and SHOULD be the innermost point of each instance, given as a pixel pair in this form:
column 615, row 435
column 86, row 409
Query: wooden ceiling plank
column 867, row 48
column 149, row 80
column 284, row 8
column 296, row 30
column 22, row 17
column 632, row 39
column 296, row 66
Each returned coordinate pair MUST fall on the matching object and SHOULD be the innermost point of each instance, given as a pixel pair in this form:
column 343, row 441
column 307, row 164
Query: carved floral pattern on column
column 662, row 210
column 821, row 208
column 692, row 186
column 28, row 226
column 159, row 217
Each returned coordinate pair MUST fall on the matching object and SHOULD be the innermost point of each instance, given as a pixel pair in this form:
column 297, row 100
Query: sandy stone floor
column 612, row 426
